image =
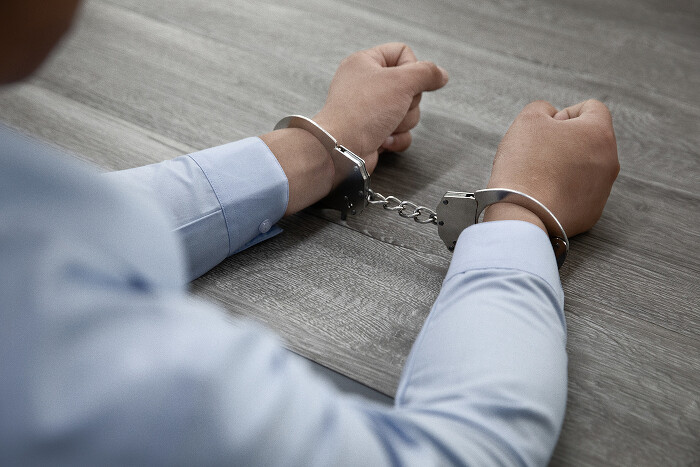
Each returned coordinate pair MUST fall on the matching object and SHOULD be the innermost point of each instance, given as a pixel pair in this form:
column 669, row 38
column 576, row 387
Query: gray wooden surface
column 139, row 82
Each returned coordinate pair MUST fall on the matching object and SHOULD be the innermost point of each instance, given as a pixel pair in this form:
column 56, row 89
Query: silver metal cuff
column 350, row 192
column 458, row 210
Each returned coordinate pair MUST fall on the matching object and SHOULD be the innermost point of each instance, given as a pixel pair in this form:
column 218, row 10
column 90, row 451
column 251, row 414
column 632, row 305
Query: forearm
column 219, row 200
column 485, row 383
column 223, row 199
column 489, row 366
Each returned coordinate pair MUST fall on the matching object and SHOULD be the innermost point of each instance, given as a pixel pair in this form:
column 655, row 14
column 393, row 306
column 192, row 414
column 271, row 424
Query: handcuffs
column 456, row 211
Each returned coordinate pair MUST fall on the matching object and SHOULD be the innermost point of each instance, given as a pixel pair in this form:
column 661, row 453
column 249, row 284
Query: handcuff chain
column 405, row 209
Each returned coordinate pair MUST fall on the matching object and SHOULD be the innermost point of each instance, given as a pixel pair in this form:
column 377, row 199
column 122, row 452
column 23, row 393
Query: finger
column 415, row 101
column 540, row 107
column 575, row 110
column 398, row 142
column 406, row 56
column 590, row 109
column 409, row 121
column 572, row 111
column 422, row 76
column 393, row 54
column 563, row 114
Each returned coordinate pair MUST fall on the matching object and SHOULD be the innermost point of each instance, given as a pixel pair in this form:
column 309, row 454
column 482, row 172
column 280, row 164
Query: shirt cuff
column 512, row 244
column 251, row 188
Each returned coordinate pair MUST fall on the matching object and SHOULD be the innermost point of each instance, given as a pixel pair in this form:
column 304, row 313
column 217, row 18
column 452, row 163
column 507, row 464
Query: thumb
column 422, row 76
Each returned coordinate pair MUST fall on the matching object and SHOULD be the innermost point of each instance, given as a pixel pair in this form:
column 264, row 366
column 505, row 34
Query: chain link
column 405, row 209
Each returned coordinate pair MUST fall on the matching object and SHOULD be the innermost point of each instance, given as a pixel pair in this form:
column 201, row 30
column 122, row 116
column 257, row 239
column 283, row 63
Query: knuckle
column 431, row 67
column 605, row 134
column 404, row 142
column 609, row 135
column 404, row 47
column 604, row 146
column 615, row 170
column 348, row 60
column 397, row 44
column 532, row 111
column 596, row 104
column 599, row 108
column 535, row 108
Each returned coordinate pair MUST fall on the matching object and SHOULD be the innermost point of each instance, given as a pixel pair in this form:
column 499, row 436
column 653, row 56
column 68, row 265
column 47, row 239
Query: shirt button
column 265, row 226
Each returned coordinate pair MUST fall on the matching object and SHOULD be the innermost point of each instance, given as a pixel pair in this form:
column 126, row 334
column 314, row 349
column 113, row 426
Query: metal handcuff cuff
column 456, row 211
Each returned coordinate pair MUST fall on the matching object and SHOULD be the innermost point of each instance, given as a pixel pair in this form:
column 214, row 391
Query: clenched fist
column 372, row 104
column 565, row 159
column 373, row 100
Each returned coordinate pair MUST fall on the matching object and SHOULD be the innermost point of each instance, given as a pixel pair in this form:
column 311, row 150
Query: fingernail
column 388, row 141
column 444, row 72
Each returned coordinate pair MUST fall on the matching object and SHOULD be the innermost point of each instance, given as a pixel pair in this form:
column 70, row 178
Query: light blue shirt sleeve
column 106, row 360
column 220, row 200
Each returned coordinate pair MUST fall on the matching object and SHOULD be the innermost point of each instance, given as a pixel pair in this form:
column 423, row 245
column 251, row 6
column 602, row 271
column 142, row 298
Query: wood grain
column 139, row 82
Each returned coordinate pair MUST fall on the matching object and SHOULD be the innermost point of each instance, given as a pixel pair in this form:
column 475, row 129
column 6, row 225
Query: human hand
column 372, row 103
column 567, row 160
column 373, row 100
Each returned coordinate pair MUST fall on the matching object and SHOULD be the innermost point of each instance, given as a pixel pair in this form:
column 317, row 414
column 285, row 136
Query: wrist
column 509, row 211
column 338, row 129
column 306, row 163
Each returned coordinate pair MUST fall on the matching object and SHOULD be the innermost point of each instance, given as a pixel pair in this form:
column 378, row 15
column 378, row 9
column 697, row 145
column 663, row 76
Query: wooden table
column 139, row 82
